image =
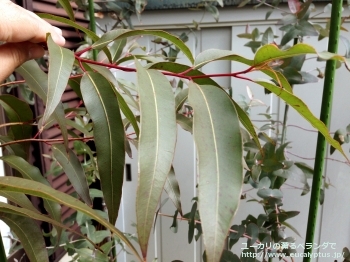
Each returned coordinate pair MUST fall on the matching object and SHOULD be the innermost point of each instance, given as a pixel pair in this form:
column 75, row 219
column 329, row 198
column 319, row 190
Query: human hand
column 22, row 30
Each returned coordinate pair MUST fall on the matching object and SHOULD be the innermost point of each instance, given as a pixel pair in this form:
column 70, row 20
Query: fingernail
column 57, row 30
column 57, row 36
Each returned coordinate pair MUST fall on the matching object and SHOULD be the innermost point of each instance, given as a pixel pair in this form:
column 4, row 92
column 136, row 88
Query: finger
column 19, row 25
column 14, row 54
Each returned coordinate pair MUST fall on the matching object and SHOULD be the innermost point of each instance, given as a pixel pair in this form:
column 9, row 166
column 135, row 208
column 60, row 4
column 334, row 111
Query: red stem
column 83, row 51
column 127, row 69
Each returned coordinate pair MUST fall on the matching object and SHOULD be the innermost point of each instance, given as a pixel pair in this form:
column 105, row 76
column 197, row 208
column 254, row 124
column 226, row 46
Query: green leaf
column 268, row 14
column 322, row 195
column 68, row 8
column 15, row 184
column 185, row 122
column 243, row 3
column 115, row 35
column 29, row 233
column 218, row 140
column 192, row 222
column 228, row 256
column 271, row 52
column 19, row 199
column 117, row 49
column 13, row 149
column 61, row 62
column 102, row 104
column 253, row 232
column 35, row 78
column 172, row 188
column 63, row 20
column 247, row 123
column 74, row 171
column 180, row 99
column 174, row 225
column 304, row 111
column 291, row 228
column 268, row 36
column 211, row 55
column 304, row 9
column 31, row 172
column 66, row 21
column 156, row 146
column 269, row 193
column 239, row 231
column 18, row 111
column 37, row 81
column 213, row 11
column 122, row 104
column 338, row 136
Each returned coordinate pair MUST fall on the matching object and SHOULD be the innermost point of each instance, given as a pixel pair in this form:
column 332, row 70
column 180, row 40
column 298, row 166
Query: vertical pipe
column 92, row 24
column 325, row 118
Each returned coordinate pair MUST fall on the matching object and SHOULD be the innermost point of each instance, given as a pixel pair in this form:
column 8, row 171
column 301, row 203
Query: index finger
column 18, row 25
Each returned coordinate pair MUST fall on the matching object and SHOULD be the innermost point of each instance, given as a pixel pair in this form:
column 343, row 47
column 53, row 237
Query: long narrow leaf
column 303, row 110
column 19, row 199
column 13, row 149
column 102, row 104
column 156, row 146
column 18, row 111
column 37, row 81
column 31, row 172
column 211, row 55
column 122, row 104
column 24, row 212
column 66, row 21
column 116, row 35
column 68, row 8
column 247, row 123
column 61, row 62
column 172, row 188
column 74, row 171
column 218, row 140
column 15, row 184
column 29, row 233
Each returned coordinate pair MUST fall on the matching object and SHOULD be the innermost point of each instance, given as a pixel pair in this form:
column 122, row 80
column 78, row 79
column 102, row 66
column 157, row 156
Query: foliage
column 115, row 113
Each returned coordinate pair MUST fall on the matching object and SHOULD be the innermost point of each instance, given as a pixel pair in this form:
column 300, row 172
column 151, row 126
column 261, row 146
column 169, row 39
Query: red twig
column 83, row 51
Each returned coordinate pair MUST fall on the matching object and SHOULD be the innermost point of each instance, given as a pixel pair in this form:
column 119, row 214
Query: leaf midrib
column 157, row 147
column 217, row 167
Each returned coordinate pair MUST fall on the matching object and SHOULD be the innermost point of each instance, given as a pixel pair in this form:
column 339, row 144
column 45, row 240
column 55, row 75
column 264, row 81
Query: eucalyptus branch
column 312, row 158
column 17, row 124
column 180, row 75
column 12, row 83
column 45, row 140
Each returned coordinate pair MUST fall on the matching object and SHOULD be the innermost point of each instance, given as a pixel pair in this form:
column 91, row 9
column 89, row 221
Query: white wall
column 4, row 229
column 334, row 216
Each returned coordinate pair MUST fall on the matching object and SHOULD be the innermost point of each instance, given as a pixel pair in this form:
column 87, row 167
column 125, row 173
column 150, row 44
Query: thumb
column 13, row 55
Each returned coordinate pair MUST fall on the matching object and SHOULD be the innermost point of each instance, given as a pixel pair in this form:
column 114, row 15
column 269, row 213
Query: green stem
column 286, row 109
column 2, row 250
column 278, row 182
column 92, row 25
column 325, row 118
